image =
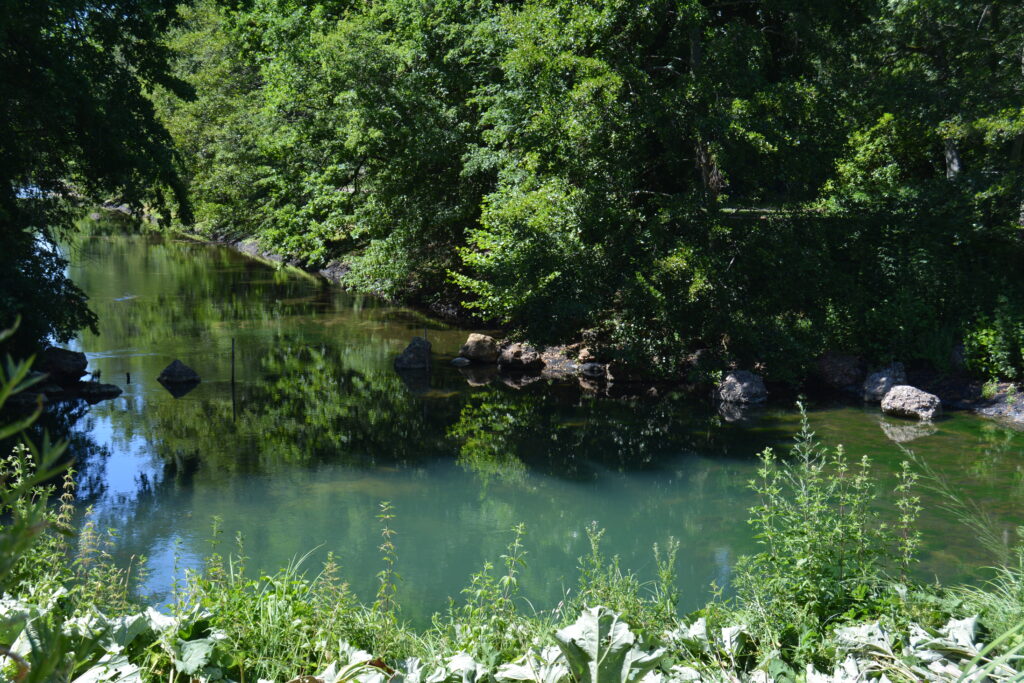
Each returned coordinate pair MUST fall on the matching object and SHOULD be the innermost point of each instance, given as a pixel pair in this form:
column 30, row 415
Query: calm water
column 320, row 429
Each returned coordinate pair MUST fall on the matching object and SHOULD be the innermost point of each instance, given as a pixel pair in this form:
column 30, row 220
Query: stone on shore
column 480, row 348
column 904, row 400
column 520, row 358
column 878, row 383
column 742, row 386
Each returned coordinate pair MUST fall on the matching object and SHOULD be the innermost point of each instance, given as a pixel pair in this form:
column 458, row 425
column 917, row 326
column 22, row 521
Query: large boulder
column 840, row 371
column 62, row 365
column 178, row 373
column 480, row 348
column 741, row 386
column 520, row 358
column 416, row 355
column 904, row 400
column 878, row 383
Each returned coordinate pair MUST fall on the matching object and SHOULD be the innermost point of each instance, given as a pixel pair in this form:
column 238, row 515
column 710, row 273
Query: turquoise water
column 320, row 429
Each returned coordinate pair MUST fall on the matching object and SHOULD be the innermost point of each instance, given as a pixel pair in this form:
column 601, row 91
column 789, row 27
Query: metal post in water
column 232, row 379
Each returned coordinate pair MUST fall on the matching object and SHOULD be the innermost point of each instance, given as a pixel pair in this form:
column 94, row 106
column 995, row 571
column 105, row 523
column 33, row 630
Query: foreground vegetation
column 831, row 594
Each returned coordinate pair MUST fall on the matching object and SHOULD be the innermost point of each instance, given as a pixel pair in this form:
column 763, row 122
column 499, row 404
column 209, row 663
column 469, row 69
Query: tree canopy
column 767, row 178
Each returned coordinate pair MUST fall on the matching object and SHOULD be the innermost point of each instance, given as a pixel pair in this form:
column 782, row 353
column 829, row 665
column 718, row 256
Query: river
column 318, row 429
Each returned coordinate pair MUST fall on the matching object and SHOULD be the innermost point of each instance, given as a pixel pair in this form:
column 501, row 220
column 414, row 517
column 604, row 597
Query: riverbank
column 956, row 388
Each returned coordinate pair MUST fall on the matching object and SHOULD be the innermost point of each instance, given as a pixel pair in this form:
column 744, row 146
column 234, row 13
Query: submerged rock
column 479, row 375
column 906, row 401
column 179, row 389
column 878, row 383
column 178, row 373
column 94, row 392
column 741, row 386
column 480, row 348
column 62, row 365
column 518, row 380
column 416, row 355
column 520, row 357
column 904, row 433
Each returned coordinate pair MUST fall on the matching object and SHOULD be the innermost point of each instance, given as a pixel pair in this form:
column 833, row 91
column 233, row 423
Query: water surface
column 319, row 429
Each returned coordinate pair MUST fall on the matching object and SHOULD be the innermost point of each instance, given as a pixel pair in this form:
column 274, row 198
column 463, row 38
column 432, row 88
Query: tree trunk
column 953, row 165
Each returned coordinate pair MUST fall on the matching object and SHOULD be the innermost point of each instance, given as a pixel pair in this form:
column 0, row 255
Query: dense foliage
column 768, row 178
column 75, row 126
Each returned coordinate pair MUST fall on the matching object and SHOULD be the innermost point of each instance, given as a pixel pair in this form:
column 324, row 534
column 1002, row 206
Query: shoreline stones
column 520, row 358
column 480, row 348
column 904, row 400
column 741, row 386
column 879, row 383
column 416, row 355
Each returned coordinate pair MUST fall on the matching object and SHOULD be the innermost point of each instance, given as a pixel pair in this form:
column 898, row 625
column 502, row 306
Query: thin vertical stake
column 232, row 379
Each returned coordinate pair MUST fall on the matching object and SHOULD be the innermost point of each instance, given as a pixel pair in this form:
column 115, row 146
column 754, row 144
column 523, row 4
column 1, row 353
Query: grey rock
column 62, row 365
column 557, row 365
column 593, row 370
column 416, row 355
column 178, row 373
column 741, row 386
column 480, row 348
column 904, row 433
column 878, row 383
column 520, row 357
column 904, row 400
column 461, row 362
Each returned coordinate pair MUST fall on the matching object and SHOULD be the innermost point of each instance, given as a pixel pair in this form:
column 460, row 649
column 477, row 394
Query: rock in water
column 178, row 373
column 62, row 365
column 878, row 384
column 461, row 362
column 742, row 386
column 94, row 392
column 415, row 357
column 521, row 358
column 906, row 401
column 480, row 348
column 593, row 370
